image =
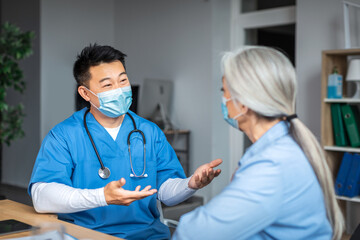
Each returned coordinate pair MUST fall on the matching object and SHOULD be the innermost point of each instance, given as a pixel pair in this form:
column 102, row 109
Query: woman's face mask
column 114, row 103
column 232, row 121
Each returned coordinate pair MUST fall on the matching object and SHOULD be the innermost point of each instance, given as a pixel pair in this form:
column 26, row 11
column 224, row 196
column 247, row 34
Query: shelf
column 342, row 149
column 181, row 151
column 341, row 100
column 181, row 146
column 176, row 131
column 354, row 199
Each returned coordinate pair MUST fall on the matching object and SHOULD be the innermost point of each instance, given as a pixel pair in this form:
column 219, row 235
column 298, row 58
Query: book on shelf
column 340, row 135
column 347, row 182
column 343, row 173
column 351, row 118
column 352, row 185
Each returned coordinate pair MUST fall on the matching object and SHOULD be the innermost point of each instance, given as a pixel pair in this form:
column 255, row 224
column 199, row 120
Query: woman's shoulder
column 286, row 145
column 280, row 152
column 288, row 156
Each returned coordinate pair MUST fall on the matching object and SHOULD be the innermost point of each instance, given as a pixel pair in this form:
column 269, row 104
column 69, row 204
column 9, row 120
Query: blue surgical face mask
column 232, row 121
column 114, row 103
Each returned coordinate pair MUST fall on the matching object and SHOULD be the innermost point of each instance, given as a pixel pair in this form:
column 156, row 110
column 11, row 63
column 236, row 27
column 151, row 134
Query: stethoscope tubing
column 104, row 172
column 92, row 141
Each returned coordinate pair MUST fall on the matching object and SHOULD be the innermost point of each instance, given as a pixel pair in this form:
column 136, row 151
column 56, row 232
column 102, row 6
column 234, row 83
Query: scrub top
column 67, row 156
column 274, row 194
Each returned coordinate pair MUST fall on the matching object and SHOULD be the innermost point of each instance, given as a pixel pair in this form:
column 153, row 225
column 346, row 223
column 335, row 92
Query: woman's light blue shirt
column 274, row 195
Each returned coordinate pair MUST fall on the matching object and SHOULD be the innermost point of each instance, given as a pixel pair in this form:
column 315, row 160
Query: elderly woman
column 283, row 187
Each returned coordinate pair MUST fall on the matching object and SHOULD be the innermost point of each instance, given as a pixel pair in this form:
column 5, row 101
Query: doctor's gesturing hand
column 205, row 174
column 115, row 194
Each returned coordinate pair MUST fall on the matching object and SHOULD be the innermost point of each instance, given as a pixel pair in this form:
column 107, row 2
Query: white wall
column 220, row 36
column 63, row 28
column 319, row 26
column 173, row 40
column 66, row 28
column 19, row 158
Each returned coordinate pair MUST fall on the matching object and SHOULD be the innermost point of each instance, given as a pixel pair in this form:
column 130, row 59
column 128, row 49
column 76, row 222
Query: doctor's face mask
column 115, row 102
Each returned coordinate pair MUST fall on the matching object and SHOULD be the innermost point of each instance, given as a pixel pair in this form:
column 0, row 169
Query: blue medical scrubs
column 67, row 156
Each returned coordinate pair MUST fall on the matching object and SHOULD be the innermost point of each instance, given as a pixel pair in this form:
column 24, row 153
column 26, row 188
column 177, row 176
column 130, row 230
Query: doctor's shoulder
column 73, row 122
column 68, row 127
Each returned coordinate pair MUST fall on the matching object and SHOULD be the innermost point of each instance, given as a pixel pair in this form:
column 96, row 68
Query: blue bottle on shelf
column 335, row 85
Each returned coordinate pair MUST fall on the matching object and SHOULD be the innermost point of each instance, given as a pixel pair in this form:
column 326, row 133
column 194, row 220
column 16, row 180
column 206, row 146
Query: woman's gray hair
column 264, row 80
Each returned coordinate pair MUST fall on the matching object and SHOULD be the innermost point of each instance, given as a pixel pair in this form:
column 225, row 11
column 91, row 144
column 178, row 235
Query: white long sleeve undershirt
column 59, row 198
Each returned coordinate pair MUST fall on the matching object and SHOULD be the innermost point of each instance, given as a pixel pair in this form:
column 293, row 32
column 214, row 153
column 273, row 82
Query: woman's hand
column 205, row 174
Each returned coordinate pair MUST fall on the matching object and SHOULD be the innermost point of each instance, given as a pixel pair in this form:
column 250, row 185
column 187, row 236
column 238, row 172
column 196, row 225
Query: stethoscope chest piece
column 104, row 173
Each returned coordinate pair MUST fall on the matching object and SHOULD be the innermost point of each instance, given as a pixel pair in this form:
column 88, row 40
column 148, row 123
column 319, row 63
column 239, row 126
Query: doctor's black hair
column 94, row 55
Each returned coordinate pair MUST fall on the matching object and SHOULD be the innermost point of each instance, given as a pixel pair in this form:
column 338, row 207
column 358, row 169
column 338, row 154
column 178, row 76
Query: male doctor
column 99, row 177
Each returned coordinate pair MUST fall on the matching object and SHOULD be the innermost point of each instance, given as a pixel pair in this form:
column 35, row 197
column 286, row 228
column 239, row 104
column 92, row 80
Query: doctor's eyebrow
column 122, row 73
column 107, row 78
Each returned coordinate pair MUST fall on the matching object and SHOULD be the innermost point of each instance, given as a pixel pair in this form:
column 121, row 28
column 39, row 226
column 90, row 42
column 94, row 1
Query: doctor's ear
column 83, row 93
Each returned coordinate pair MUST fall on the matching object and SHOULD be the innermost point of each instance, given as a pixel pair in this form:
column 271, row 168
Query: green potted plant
column 15, row 45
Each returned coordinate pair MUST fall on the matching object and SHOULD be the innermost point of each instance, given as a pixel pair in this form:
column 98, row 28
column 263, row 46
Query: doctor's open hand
column 205, row 174
column 115, row 194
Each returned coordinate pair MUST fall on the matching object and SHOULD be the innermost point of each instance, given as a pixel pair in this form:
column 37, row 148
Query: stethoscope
column 104, row 172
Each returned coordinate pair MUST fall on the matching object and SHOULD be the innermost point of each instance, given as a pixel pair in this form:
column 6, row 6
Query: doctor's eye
column 222, row 89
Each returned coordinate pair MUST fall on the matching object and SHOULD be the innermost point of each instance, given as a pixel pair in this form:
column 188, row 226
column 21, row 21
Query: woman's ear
column 83, row 93
column 244, row 109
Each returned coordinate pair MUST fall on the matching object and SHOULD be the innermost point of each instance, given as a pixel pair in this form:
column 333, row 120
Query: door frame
column 239, row 23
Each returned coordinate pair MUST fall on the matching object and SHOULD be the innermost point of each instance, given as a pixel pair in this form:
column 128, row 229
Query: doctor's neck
column 104, row 120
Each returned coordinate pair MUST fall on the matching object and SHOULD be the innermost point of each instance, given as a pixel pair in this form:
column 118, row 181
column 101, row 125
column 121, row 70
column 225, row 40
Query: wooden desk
column 13, row 210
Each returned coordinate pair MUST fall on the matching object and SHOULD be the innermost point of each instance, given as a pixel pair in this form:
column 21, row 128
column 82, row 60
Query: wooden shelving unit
column 183, row 153
column 341, row 100
column 330, row 59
